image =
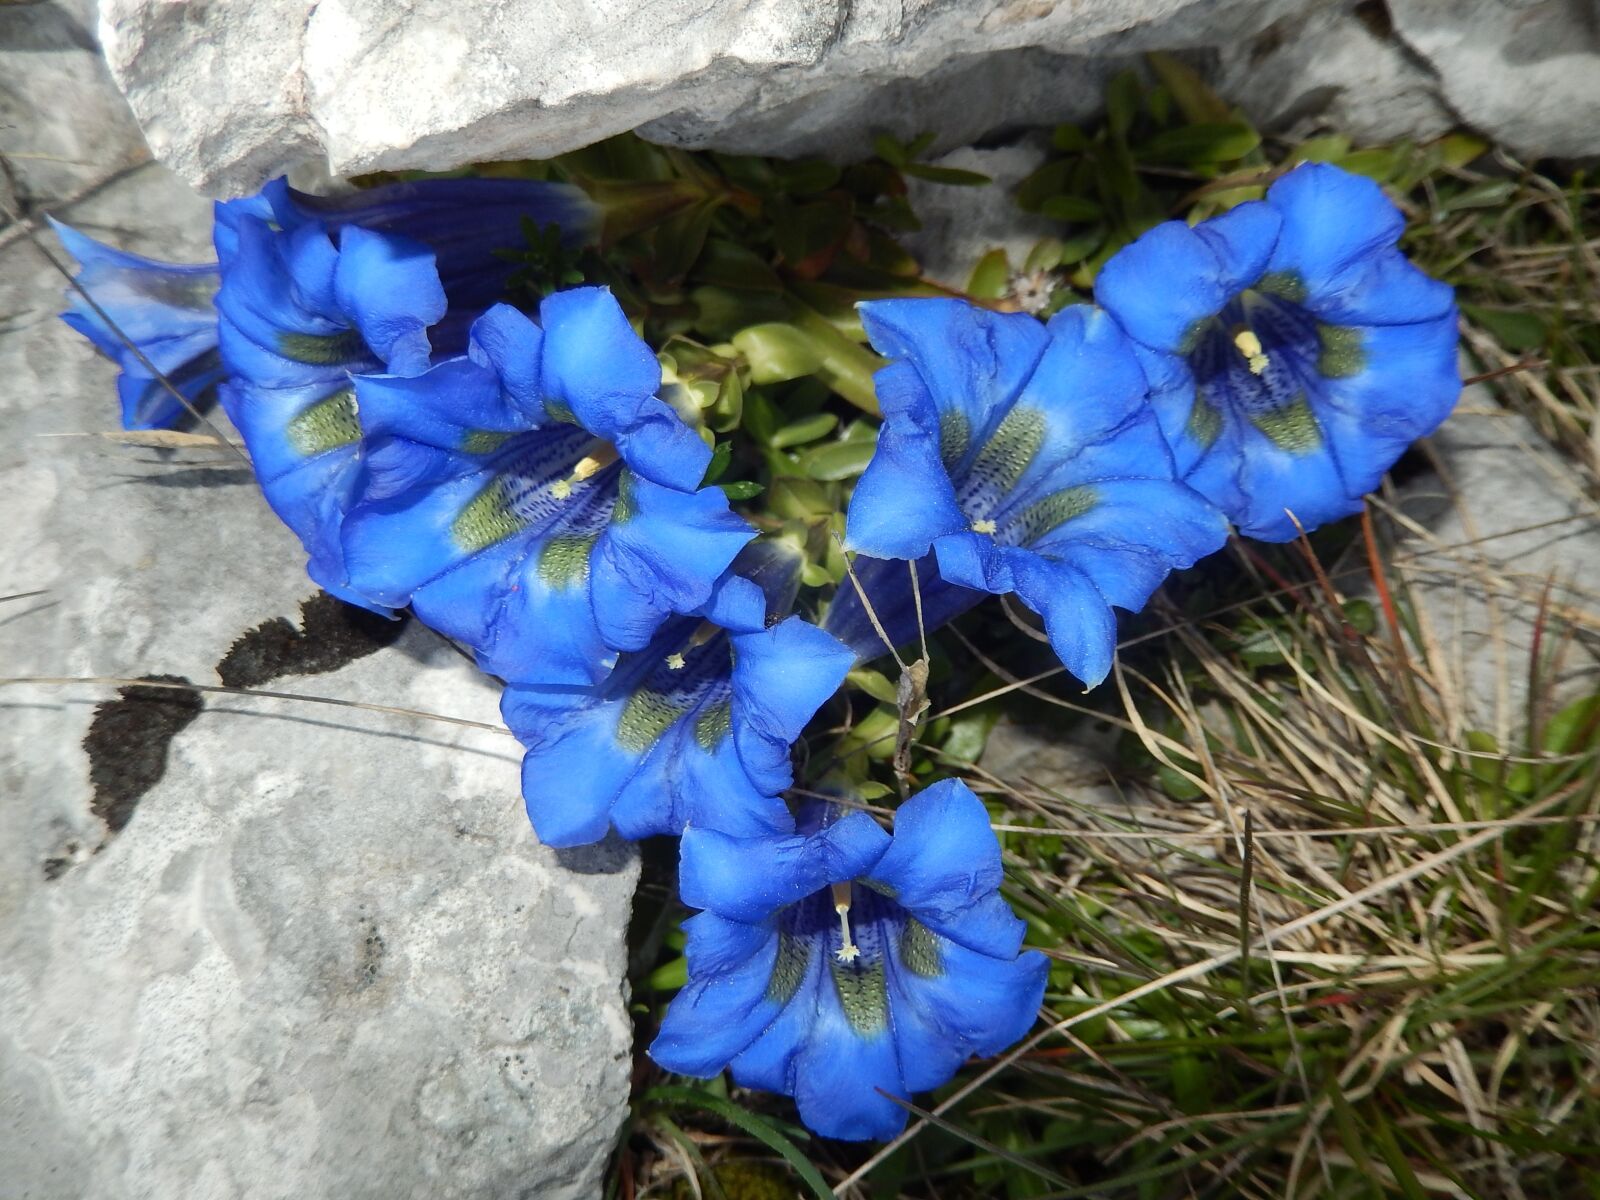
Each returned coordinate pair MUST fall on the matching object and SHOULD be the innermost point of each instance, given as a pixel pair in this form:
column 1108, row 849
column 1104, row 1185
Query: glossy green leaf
column 808, row 429
column 1191, row 145
column 837, row 460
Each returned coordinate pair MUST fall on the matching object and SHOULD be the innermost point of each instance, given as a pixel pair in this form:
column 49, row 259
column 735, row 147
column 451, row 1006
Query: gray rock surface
column 1504, row 520
column 263, row 948
column 230, row 94
column 49, row 60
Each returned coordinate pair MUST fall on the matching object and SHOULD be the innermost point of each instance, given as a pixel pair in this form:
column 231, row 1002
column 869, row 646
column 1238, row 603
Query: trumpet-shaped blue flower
column 534, row 499
column 298, row 315
column 1294, row 351
column 836, row 961
column 317, row 290
column 161, row 311
column 1027, row 457
column 693, row 730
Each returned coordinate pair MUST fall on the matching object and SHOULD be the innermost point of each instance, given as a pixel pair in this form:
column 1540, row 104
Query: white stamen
column 848, row 952
column 984, row 526
column 1249, row 345
column 674, row 662
column 603, row 457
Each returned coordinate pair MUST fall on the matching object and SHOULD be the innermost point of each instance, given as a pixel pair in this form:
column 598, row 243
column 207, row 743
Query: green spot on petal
column 645, row 717
column 1190, row 341
column 1006, row 455
column 625, row 506
column 487, row 519
column 323, row 350
column 1285, row 285
column 1055, row 510
column 714, row 724
column 955, row 435
column 1205, row 421
column 1291, row 427
column 483, row 441
column 564, row 561
column 919, row 950
column 863, row 996
column 789, row 969
column 326, row 425
column 1342, row 355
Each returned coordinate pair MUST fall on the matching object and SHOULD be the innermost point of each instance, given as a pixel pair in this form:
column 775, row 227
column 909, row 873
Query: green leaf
column 1193, row 95
column 1201, row 144
column 1381, row 163
column 1322, row 149
column 1178, row 786
column 807, row 429
column 1052, row 179
column 1122, row 102
column 874, row 684
column 1081, row 245
column 805, row 176
column 1574, row 727
column 728, row 264
column 777, row 352
column 1071, row 208
column 1491, row 193
column 991, row 277
column 743, row 489
column 1459, row 149
column 721, row 456
column 756, row 1126
column 969, row 733
column 950, row 175
column 799, row 499
column 669, row 976
column 1069, row 139
column 890, row 150
column 837, row 460
column 918, row 145
column 1514, row 329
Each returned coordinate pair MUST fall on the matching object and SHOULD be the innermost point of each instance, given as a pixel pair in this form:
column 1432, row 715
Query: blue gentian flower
column 1027, row 457
column 693, row 730
column 1295, row 353
column 298, row 314
column 317, row 290
column 166, row 310
column 836, row 961
column 534, row 499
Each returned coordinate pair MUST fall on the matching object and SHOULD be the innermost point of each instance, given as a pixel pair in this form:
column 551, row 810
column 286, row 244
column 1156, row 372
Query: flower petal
column 781, row 676
column 595, row 365
column 718, row 1013
column 749, row 879
column 389, row 288
column 837, row 1074
column 1160, row 285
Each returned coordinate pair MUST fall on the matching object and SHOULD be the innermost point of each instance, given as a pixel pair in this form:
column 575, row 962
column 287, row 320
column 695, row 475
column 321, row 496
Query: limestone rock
column 49, row 63
column 1504, row 519
column 251, row 947
column 230, row 94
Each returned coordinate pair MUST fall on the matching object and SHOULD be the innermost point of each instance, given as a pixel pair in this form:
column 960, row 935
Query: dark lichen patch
column 331, row 634
column 127, row 746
